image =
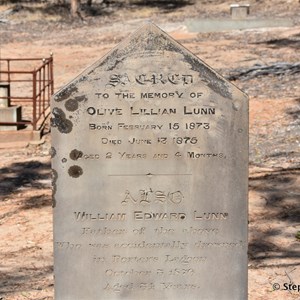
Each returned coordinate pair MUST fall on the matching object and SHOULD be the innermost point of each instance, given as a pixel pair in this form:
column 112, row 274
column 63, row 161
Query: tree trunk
column 75, row 8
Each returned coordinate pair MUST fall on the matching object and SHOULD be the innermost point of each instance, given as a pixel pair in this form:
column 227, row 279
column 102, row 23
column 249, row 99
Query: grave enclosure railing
column 30, row 87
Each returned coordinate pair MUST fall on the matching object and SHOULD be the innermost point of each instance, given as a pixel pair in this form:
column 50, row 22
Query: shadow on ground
column 25, row 175
column 24, row 279
column 28, row 184
column 292, row 42
column 164, row 4
column 105, row 8
column 281, row 191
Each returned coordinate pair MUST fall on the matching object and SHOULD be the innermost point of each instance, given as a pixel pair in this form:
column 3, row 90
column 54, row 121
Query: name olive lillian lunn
column 141, row 111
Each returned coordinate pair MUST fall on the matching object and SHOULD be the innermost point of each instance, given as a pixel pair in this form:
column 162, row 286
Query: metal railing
column 31, row 88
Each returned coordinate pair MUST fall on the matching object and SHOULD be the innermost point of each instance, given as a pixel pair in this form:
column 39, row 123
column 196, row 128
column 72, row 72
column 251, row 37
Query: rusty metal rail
column 31, row 88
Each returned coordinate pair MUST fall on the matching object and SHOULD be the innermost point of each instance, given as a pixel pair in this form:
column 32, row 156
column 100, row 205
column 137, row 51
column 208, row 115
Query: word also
column 147, row 196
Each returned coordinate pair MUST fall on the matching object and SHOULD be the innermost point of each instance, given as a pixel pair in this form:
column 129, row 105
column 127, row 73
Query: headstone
column 8, row 113
column 239, row 11
column 4, row 95
column 150, row 153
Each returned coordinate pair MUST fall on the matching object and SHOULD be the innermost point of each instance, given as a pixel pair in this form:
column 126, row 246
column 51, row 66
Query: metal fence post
column 34, row 99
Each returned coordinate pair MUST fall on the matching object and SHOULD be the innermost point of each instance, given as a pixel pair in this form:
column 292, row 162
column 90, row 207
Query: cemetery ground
column 26, row 263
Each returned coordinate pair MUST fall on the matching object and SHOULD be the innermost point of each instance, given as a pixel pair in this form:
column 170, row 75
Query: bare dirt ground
column 26, row 265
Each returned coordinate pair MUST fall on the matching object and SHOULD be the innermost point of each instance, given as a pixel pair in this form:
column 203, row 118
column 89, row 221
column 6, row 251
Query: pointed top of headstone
column 154, row 46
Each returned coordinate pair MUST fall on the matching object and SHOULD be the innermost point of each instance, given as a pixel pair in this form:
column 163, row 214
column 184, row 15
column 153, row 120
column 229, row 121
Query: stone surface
column 149, row 156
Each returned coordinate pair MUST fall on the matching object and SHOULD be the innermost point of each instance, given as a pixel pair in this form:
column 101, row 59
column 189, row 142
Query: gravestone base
column 10, row 114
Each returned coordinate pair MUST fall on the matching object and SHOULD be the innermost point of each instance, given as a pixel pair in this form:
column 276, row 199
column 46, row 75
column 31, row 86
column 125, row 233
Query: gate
column 29, row 85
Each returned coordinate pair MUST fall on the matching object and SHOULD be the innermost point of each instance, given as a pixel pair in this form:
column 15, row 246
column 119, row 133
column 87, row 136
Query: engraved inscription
column 147, row 196
column 150, row 79
column 102, row 231
column 85, row 216
column 155, row 216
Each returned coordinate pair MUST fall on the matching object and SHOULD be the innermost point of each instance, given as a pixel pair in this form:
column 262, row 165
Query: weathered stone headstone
column 8, row 114
column 239, row 11
column 4, row 95
column 150, row 149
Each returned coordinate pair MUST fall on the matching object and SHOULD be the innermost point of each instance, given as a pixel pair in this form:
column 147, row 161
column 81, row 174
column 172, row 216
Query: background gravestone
column 150, row 153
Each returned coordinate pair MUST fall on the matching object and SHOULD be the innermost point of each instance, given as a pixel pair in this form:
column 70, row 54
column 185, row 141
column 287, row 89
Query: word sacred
column 146, row 79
